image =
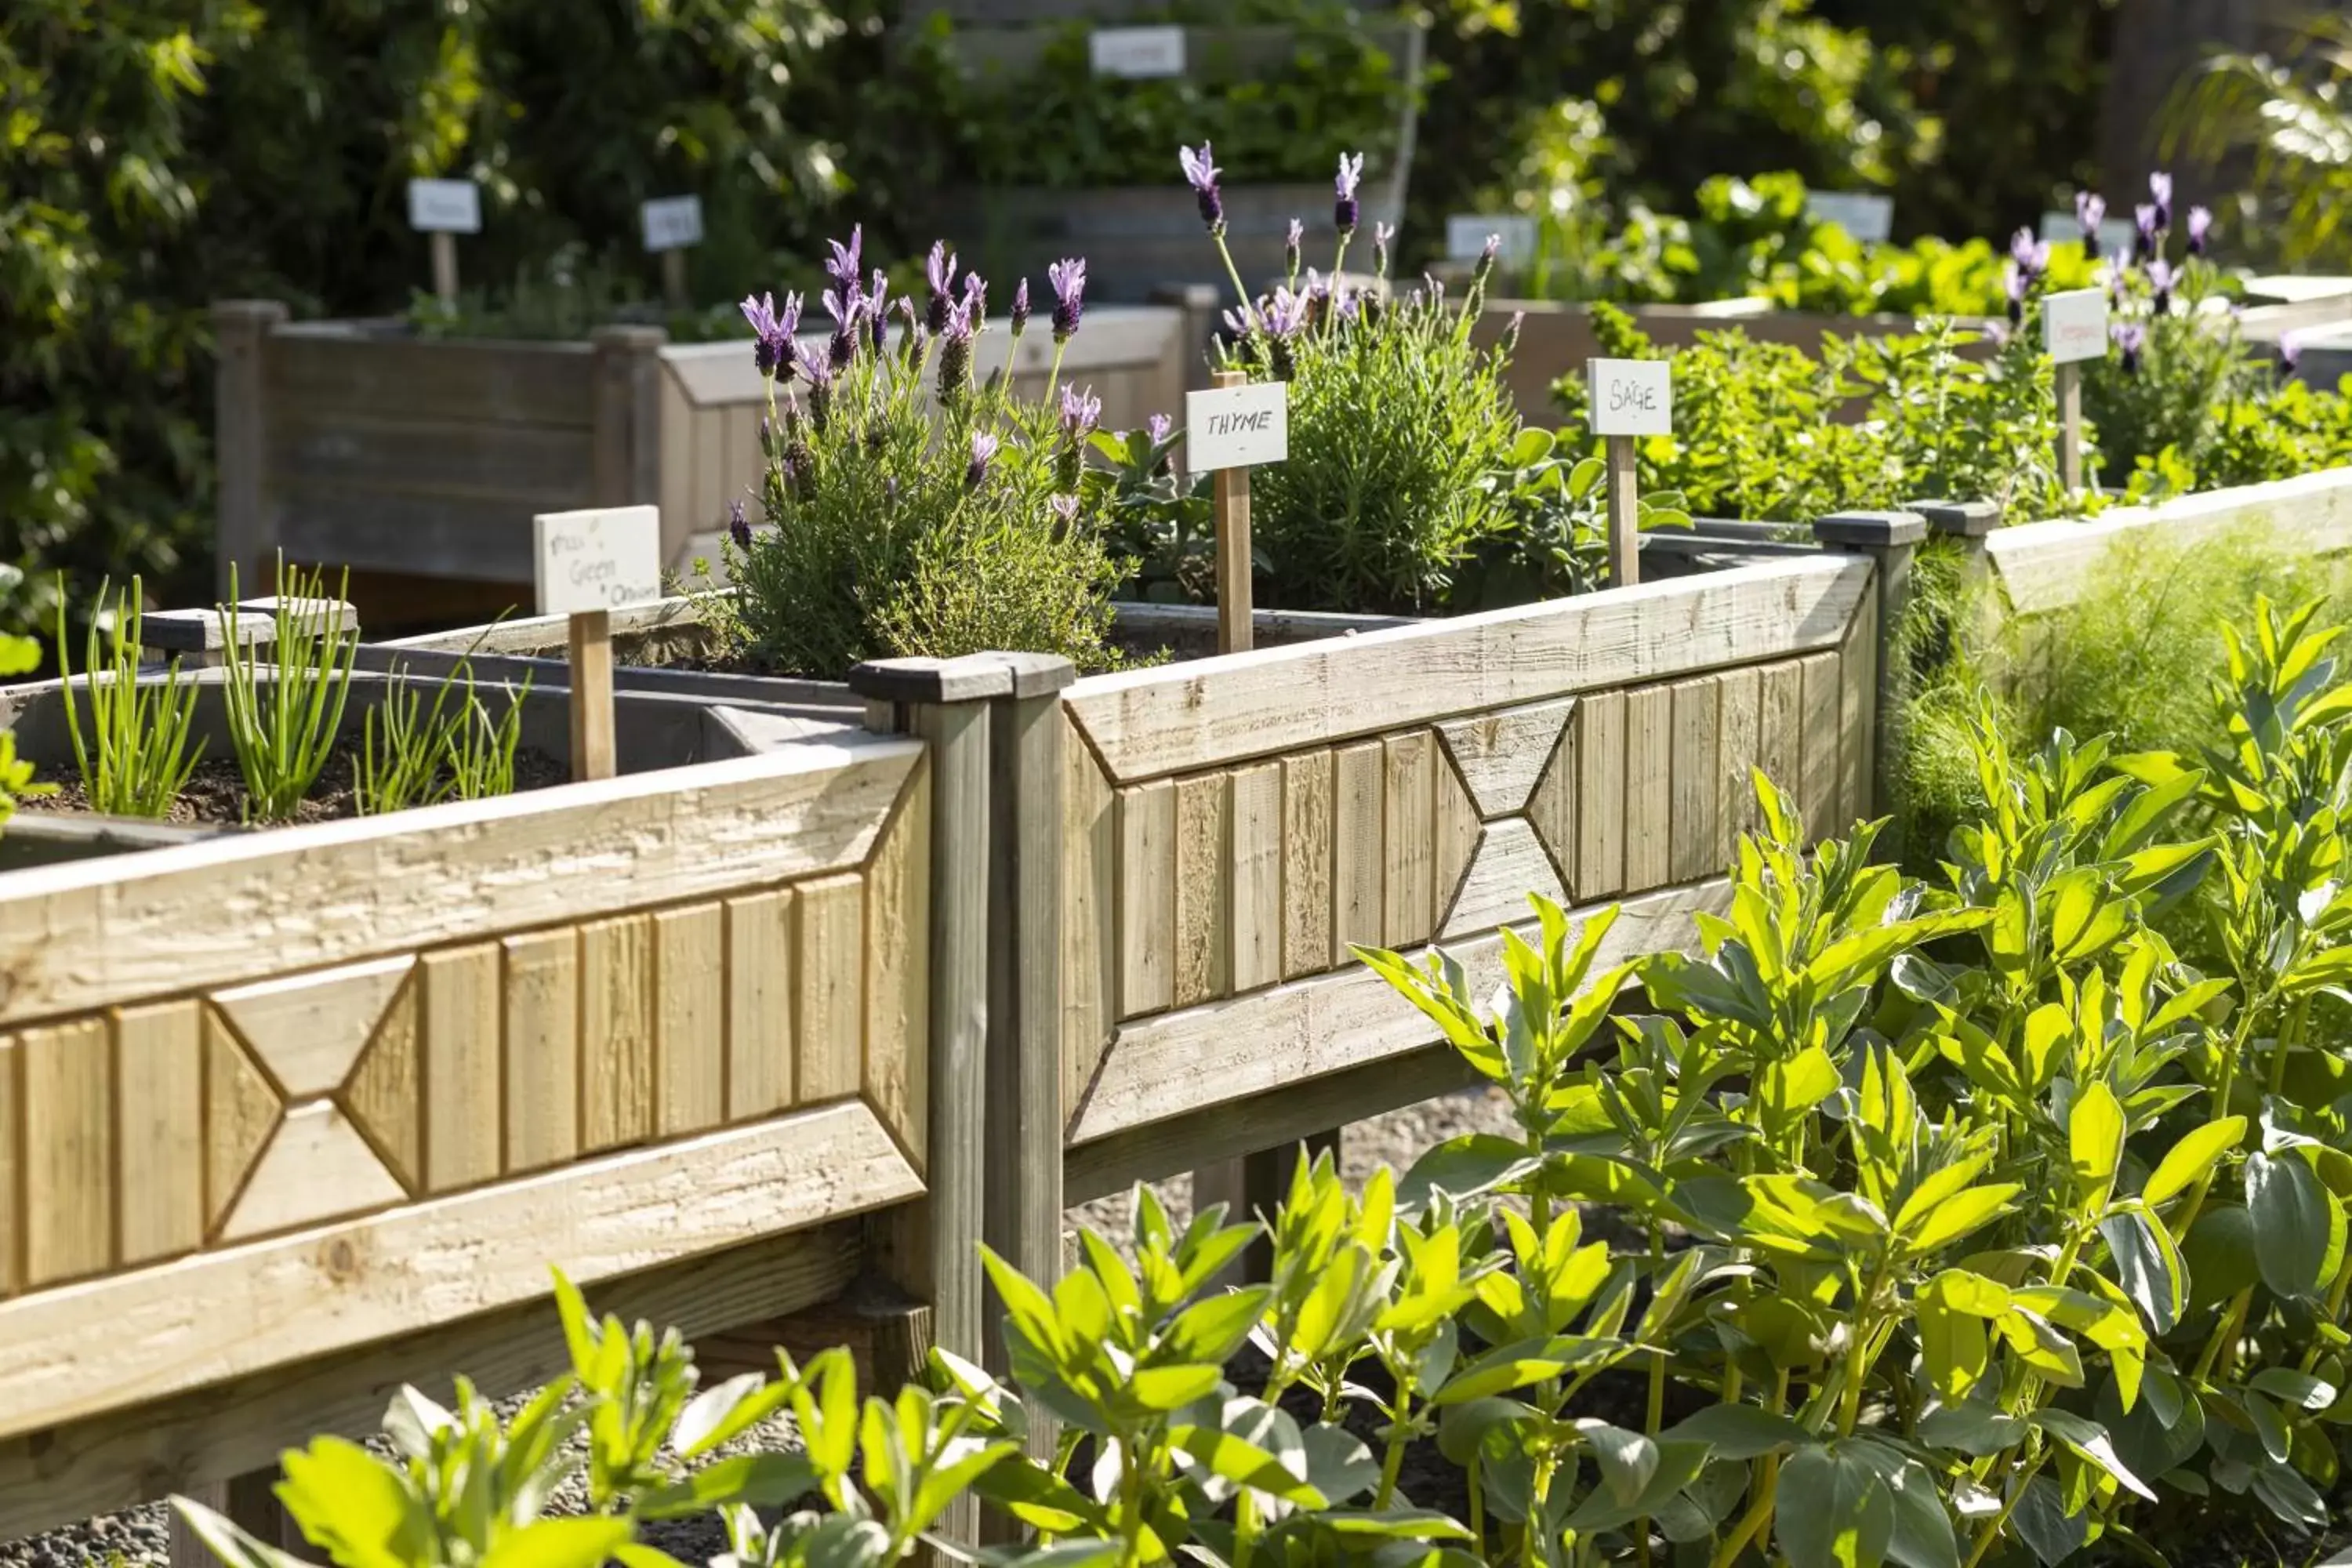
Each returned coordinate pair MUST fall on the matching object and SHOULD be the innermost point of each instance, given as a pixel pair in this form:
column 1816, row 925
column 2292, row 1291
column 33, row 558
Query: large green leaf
column 2293, row 1217
column 1738, row 1432
column 1833, row 1512
column 2090, row 1440
column 2095, row 1142
column 763, row 1481
column 1465, row 1167
column 2188, row 1160
column 1970, row 1428
column 2147, row 1267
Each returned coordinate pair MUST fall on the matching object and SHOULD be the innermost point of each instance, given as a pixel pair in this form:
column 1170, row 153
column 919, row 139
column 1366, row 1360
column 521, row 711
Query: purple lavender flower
column 1346, row 211
column 1159, row 424
column 1291, row 244
column 975, row 300
column 939, row 270
column 1068, row 277
column 2032, row 257
column 2200, row 229
column 1019, row 306
column 843, row 268
column 738, row 527
column 2146, row 231
column 2111, row 275
column 1383, row 233
column 877, row 309
column 1202, row 175
column 1065, row 509
column 1283, row 313
column 2161, row 279
column 983, row 452
column 2290, row 350
column 1081, row 412
column 2130, row 339
column 2090, row 212
column 846, row 306
column 2160, row 187
column 2015, row 283
column 773, row 328
column 955, row 355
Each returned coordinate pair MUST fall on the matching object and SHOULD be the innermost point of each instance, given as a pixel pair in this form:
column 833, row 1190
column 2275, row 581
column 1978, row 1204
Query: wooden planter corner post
column 1889, row 538
column 1023, row 1203
column 241, row 523
column 932, row 1250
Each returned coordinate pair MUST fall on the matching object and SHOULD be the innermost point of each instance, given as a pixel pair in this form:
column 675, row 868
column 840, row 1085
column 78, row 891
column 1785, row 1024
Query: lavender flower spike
column 845, row 268
column 775, row 329
column 2016, row 283
column 939, row 271
column 1202, row 175
column 1346, row 211
column 1081, row 412
column 2130, row 338
column 2200, row 229
column 1159, row 424
column 983, row 452
column 1070, row 280
column 1019, row 306
column 1292, row 244
column 2159, row 187
column 738, row 527
column 2090, row 212
column 975, row 301
column 2145, row 230
column 2290, row 350
column 1382, row 234
column 2160, row 278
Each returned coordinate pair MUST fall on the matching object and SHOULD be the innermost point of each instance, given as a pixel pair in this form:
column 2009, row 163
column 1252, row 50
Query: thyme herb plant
column 285, row 705
column 910, row 509
column 136, row 757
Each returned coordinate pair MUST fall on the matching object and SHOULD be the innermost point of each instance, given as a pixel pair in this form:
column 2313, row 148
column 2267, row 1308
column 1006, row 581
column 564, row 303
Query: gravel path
column 140, row 1536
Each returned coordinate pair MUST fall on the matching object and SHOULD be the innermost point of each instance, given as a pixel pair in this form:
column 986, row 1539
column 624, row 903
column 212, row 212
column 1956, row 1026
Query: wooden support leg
column 249, row 1502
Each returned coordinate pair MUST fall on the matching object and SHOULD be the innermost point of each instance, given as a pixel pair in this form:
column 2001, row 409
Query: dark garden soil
column 215, row 795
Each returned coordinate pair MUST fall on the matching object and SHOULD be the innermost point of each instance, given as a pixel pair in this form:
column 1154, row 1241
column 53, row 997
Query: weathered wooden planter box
column 419, row 464
column 1140, row 240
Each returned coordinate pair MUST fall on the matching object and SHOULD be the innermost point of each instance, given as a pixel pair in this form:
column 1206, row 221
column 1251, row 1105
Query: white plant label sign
column 672, row 222
column 2075, row 324
column 596, row 560
column 1631, row 396
column 1465, row 237
column 2116, row 234
column 1137, row 52
column 1867, row 218
column 444, row 206
column 1236, row 426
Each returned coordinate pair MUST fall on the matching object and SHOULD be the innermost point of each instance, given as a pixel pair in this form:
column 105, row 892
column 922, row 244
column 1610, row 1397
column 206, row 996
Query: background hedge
column 162, row 154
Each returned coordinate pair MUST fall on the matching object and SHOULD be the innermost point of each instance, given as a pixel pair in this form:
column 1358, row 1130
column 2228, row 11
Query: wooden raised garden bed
column 420, row 463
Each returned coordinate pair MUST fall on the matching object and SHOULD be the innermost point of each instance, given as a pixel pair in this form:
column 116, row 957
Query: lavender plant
column 910, row 508
column 1396, row 419
column 136, row 758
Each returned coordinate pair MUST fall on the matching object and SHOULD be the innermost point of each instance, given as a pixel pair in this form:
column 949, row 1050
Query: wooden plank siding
column 363, row 1077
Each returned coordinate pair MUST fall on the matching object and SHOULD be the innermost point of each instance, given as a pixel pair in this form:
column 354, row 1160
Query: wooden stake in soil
column 1630, row 398
column 2075, row 329
column 592, row 694
column 1227, row 429
column 444, row 209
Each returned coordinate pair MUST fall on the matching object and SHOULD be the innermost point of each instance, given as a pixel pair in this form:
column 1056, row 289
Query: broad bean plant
column 1934, row 1224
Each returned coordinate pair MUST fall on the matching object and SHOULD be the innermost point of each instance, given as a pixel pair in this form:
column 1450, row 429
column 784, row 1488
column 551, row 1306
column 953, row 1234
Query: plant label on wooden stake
column 1467, row 235
column 1227, row 429
column 2075, row 329
column 587, row 564
column 1631, row 399
column 444, row 209
column 672, row 224
column 1868, row 219
column 1137, row 53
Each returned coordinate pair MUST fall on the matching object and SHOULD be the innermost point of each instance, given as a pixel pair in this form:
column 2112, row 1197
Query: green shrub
column 892, row 534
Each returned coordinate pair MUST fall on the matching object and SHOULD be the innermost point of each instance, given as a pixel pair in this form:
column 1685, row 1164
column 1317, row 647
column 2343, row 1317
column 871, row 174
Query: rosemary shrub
column 910, row 509
column 136, row 758
column 285, row 707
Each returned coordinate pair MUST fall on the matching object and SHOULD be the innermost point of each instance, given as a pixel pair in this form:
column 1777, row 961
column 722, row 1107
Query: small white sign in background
column 2116, row 234
column 1867, row 218
column 1236, row 426
column 1137, row 52
column 595, row 560
column 1465, row 237
column 1631, row 396
column 2075, row 324
column 444, row 206
column 672, row 222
